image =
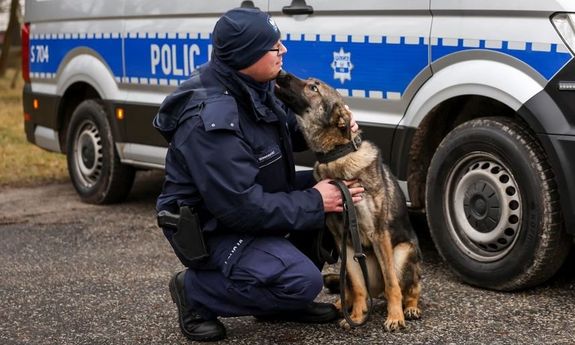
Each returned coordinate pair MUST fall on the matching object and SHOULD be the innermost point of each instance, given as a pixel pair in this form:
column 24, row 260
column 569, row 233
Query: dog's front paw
column 344, row 324
column 392, row 325
column 412, row 313
column 357, row 320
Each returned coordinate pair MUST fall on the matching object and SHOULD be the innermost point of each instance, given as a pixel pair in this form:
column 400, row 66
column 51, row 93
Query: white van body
column 421, row 76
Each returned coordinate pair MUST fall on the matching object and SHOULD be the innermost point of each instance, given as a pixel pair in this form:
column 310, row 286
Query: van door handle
column 297, row 7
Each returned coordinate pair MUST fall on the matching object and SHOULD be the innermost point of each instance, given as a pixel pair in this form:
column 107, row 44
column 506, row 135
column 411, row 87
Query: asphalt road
column 72, row 273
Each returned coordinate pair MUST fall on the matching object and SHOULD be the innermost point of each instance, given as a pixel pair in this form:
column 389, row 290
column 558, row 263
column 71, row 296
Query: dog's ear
column 341, row 124
column 342, row 117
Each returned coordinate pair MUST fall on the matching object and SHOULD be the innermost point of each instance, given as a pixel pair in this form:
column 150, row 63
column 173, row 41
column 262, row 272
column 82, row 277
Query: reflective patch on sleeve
column 268, row 155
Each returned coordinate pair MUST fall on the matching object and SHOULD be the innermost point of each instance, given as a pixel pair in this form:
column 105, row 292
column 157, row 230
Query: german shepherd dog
column 388, row 239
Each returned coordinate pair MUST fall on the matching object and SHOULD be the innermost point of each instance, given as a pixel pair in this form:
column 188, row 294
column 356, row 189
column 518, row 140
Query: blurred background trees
column 11, row 20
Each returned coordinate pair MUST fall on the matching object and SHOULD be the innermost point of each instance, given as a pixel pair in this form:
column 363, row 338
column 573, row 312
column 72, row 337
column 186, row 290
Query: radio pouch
column 189, row 239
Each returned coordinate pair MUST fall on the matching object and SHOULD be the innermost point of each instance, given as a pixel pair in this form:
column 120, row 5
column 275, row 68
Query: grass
column 22, row 163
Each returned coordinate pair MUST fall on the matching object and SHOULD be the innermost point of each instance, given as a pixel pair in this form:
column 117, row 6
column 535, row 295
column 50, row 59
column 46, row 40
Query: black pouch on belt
column 189, row 239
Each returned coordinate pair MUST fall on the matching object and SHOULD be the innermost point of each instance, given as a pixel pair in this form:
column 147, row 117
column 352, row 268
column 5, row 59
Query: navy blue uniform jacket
column 230, row 156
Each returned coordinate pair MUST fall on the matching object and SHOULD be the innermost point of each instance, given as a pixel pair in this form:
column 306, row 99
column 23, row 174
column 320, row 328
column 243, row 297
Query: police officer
column 230, row 159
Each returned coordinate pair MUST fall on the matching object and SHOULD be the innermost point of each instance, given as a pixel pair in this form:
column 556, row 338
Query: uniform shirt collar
column 259, row 96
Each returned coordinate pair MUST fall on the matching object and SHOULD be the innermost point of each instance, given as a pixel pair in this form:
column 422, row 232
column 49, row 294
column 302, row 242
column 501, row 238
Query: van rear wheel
column 93, row 163
column 492, row 206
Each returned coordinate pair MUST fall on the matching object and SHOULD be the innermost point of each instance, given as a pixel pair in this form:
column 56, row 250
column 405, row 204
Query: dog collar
column 339, row 151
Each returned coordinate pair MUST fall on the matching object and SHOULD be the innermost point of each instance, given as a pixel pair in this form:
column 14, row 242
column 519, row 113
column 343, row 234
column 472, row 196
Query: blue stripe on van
column 48, row 51
column 547, row 63
column 383, row 67
column 368, row 66
column 157, row 59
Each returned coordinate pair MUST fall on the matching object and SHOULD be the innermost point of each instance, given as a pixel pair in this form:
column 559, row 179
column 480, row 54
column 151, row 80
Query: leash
column 350, row 224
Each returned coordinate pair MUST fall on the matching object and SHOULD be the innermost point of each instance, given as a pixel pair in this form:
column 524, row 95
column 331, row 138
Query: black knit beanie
column 242, row 36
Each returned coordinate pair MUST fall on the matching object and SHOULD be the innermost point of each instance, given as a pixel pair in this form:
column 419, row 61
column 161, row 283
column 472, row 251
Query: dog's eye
column 313, row 88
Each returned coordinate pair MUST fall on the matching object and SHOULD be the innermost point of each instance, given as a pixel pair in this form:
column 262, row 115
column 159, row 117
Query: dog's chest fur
column 350, row 167
column 363, row 166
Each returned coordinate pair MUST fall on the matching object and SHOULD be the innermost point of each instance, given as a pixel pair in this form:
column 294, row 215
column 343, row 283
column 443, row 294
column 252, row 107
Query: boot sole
column 176, row 298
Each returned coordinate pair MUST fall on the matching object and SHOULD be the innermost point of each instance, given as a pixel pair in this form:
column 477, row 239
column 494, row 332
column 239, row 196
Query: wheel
column 492, row 206
column 93, row 164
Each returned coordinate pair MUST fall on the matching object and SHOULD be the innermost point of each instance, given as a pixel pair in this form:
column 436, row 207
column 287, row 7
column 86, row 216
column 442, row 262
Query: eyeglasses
column 279, row 51
column 275, row 50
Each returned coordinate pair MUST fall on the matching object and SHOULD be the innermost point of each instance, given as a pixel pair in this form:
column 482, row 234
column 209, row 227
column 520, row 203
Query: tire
column 493, row 206
column 93, row 164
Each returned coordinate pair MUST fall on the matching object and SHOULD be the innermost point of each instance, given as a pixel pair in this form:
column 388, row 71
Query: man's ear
column 342, row 116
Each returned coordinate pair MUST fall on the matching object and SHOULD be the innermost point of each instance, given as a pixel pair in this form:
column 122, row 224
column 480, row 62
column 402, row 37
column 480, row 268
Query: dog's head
column 319, row 106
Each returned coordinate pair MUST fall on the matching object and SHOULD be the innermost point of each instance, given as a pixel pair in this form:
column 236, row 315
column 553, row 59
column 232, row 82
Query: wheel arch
column 83, row 74
column 456, row 93
column 86, row 65
column 434, row 127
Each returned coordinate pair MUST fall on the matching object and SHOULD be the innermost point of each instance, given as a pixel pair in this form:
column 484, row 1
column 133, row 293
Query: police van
column 471, row 102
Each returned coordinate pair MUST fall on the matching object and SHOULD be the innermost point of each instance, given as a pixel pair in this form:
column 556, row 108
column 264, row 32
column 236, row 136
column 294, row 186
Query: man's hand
column 354, row 126
column 331, row 195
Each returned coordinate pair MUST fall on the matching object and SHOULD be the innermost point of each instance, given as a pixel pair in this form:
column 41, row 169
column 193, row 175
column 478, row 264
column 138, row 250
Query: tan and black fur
column 388, row 239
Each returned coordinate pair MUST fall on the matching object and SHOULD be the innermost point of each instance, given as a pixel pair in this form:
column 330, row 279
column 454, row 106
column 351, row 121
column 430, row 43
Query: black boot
column 193, row 326
column 314, row 313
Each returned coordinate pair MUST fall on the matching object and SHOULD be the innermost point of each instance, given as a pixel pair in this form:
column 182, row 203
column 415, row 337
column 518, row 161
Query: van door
column 375, row 53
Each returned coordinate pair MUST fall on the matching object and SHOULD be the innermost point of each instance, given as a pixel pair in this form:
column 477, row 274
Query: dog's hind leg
column 408, row 268
column 356, row 291
column 384, row 252
column 412, row 311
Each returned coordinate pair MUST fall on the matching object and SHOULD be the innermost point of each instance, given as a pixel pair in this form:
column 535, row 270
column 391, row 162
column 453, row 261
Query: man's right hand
column 331, row 195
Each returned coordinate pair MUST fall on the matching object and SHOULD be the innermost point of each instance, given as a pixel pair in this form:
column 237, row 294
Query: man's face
column 268, row 66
